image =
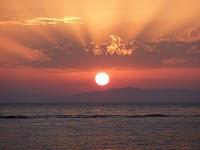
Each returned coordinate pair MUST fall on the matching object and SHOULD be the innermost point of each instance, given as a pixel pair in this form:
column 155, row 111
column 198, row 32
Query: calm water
column 134, row 126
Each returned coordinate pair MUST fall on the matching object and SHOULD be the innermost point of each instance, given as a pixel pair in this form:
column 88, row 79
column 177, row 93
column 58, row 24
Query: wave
column 93, row 116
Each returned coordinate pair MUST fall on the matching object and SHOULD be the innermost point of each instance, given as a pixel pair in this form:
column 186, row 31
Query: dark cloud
column 63, row 47
column 144, row 54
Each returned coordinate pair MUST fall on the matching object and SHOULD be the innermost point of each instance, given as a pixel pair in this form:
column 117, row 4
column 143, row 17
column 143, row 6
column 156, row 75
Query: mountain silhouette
column 132, row 94
column 127, row 94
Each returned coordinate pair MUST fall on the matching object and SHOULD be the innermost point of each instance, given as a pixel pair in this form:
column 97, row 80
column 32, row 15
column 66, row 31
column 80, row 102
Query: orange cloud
column 42, row 21
column 114, row 46
column 117, row 46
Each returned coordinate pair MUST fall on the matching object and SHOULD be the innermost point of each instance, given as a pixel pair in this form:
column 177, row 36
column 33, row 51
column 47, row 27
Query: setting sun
column 102, row 78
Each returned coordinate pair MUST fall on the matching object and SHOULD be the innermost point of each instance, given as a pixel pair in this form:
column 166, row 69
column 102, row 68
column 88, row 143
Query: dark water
column 134, row 126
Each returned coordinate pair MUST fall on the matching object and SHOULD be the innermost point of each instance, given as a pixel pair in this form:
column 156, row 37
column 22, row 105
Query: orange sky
column 58, row 46
column 61, row 81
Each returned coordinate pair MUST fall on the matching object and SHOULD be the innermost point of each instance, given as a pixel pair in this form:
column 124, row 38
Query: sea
column 100, row 126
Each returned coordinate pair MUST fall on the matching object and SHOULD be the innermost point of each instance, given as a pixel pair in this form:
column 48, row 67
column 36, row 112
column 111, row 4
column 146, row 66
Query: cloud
column 41, row 21
column 193, row 34
column 69, row 53
column 195, row 50
column 115, row 46
column 187, row 61
column 175, row 60
column 187, row 35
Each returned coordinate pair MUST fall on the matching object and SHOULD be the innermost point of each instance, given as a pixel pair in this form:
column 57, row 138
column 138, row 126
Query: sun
column 102, row 78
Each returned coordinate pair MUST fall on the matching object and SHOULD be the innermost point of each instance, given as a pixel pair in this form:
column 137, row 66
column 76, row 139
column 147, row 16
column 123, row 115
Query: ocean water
column 111, row 126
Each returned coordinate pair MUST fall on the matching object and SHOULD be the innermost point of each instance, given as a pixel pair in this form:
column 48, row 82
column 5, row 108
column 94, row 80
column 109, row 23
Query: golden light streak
column 94, row 21
column 14, row 49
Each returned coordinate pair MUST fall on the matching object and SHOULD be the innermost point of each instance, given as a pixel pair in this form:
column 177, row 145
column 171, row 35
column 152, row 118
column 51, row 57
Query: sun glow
column 102, row 78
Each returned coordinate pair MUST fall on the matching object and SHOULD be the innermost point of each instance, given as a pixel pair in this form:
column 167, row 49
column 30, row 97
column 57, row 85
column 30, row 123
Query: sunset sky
column 56, row 47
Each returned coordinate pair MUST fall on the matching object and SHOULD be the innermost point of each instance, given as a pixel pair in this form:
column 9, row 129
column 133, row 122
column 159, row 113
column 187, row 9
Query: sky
column 56, row 47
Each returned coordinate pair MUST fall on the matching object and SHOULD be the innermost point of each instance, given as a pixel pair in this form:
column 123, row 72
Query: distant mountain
column 132, row 94
column 127, row 94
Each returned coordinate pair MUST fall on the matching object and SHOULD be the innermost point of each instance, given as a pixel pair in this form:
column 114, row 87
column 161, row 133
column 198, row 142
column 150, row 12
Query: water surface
column 117, row 126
